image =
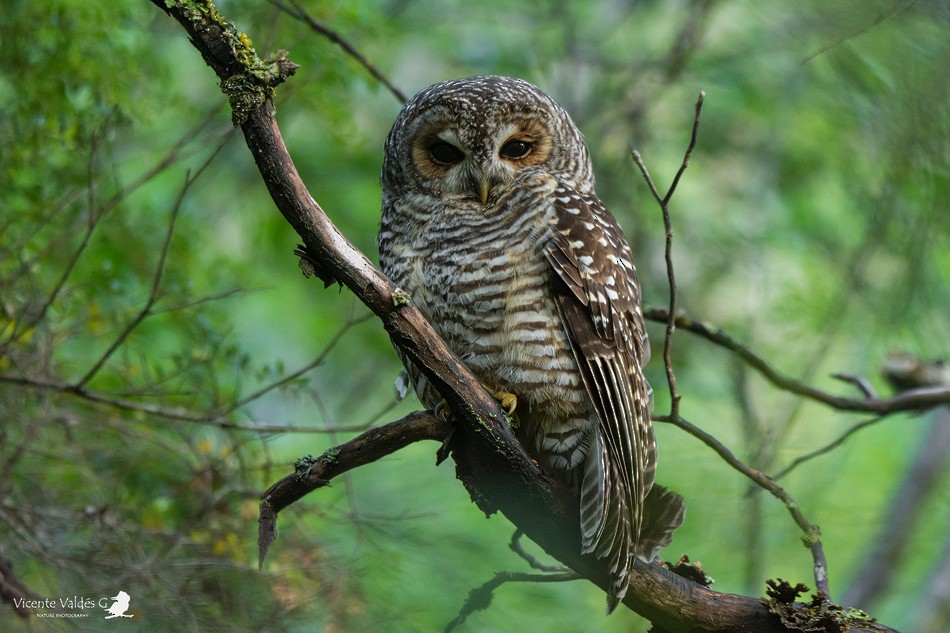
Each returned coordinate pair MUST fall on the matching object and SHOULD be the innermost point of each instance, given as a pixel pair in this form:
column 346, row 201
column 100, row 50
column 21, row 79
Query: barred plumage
column 491, row 223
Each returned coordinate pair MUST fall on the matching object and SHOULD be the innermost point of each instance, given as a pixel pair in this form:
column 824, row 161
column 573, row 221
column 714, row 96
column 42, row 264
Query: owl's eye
column 515, row 149
column 443, row 153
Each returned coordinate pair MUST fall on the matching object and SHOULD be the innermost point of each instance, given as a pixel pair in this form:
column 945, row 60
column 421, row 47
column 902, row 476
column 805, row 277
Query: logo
column 78, row 606
column 119, row 607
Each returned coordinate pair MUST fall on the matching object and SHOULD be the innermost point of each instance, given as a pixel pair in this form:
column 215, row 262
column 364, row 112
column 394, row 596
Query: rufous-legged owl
column 491, row 224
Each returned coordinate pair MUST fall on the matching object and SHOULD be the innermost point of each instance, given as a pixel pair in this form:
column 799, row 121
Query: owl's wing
column 599, row 301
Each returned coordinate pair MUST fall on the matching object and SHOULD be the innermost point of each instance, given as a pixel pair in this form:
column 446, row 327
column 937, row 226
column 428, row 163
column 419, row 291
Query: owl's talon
column 508, row 401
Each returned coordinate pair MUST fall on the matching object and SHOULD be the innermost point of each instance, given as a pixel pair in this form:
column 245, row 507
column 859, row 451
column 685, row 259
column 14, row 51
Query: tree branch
column 913, row 400
column 318, row 27
column 664, row 203
column 495, row 469
column 827, row 448
column 312, row 473
column 811, row 532
column 155, row 290
column 480, row 597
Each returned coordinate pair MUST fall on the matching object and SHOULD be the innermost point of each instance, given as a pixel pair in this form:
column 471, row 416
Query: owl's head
column 472, row 139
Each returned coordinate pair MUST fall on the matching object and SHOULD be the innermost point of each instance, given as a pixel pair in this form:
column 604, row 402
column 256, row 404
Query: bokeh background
column 154, row 322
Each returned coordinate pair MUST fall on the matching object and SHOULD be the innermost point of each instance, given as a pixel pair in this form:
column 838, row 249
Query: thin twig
column 911, row 400
column 155, row 290
column 153, row 296
column 216, row 418
column 192, row 303
column 812, row 533
column 664, row 203
column 798, row 461
column 519, row 549
column 858, row 381
column 316, row 26
column 689, row 149
column 880, row 19
column 480, row 597
column 340, row 333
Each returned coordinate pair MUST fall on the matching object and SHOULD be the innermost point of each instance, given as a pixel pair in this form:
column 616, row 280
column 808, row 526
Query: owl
column 491, row 224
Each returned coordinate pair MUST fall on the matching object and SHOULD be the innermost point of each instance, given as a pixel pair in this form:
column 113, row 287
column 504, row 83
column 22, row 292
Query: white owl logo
column 119, row 607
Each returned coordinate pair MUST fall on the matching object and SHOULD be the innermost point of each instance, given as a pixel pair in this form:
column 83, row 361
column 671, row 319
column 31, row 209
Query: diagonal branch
column 811, row 533
column 893, row 12
column 912, row 400
column 312, row 473
column 827, row 448
column 316, row 26
column 316, row 362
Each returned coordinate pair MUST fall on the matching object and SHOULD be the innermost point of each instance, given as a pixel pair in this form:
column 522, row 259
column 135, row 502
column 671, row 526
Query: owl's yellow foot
column 508, row 401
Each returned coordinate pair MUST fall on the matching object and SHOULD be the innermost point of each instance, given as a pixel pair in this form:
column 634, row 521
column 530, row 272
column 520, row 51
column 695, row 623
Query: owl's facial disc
column 474, row 166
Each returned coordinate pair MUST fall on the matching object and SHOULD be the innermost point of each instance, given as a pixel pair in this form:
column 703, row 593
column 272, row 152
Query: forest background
column 162, row 359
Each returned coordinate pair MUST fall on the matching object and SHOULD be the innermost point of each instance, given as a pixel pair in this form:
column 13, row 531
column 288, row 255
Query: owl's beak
column 483, row 188
column 480, row 182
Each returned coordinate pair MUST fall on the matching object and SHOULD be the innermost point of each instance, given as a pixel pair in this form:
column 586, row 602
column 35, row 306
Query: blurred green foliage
column 813, row 225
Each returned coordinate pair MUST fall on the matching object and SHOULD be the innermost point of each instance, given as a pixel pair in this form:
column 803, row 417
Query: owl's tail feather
column 605, row 516
column 663, row 512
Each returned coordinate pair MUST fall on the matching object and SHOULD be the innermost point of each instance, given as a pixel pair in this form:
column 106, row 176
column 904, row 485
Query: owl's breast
column 490, row 297
column 466, row 291
column 482, row 280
